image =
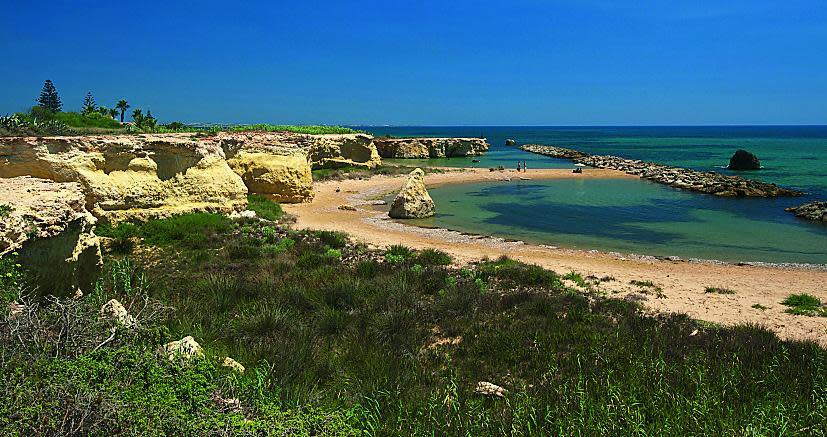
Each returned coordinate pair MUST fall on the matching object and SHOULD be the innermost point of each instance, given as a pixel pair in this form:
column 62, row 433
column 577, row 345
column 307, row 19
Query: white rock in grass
column 114, row 310
column 186, row 349
column 233, row 364
column 489, row 389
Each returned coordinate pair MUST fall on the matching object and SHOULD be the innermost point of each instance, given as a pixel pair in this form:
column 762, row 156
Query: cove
column 631, row 216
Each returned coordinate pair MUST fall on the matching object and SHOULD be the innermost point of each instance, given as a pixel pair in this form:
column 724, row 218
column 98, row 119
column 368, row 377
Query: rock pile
column 815, row 211
column 413, row 200
column 703, row 182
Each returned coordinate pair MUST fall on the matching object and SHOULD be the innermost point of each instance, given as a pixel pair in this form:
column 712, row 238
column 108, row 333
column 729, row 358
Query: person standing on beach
column 525, row 169
column 518, row 166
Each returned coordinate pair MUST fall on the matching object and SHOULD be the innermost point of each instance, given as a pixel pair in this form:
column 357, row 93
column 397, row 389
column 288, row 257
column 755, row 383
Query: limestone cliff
column 430, row 147
column 340, row 150
column 47, row 223
column 272, row 164
column 131, row 177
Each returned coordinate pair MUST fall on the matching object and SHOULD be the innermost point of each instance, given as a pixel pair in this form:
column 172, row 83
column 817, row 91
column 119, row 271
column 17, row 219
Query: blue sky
column 593, row 62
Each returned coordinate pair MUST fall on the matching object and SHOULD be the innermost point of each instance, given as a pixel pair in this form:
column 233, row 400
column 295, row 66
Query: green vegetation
column 758, row 306
column 648, row 287
column 805, row 305
column 719, row 290
column 5, row 210
column 340, row 339
column 310, row 129
column 264, row 207
column 49, row 99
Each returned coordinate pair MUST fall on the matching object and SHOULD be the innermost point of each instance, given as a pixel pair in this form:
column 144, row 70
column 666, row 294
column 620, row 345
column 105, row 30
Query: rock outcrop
column 131, row 177
column 233, row 364
column 703, row 182
column 114, row 311
column 271, row 164
column 743, row 160
column 815, row 211
column 413, row 200
column 185, row 349
column 48, row 225
column 430, row 147
column 342, row 150
column 510, row 142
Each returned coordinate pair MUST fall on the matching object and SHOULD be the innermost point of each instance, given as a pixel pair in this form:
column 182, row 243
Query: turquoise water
column 636, row 216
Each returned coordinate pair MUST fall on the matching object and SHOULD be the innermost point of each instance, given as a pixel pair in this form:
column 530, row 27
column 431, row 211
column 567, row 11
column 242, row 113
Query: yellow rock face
column 131, row 177
column 430, row 147
column 340, row 150
column 283, row 178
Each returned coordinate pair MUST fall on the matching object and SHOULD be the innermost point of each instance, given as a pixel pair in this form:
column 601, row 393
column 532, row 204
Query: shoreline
column 682, row 282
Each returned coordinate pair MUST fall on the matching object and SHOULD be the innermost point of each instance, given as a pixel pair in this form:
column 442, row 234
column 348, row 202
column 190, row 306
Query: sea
column 634, row 216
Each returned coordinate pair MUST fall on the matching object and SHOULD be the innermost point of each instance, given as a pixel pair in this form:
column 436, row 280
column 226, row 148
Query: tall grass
column 363, row 332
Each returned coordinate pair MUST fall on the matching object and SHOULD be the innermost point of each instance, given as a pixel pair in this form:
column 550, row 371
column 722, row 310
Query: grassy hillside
column 339, row 339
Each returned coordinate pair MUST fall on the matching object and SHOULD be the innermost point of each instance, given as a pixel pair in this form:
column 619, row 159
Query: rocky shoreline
column 702, row 182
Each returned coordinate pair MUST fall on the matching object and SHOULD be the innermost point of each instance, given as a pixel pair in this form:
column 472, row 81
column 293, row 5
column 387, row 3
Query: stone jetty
column 684, row 178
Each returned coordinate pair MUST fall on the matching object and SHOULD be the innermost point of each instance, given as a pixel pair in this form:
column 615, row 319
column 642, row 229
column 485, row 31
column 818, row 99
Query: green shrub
column 264, row 207
column 804, row 304
column 398, row 253
column 433, row 257
column 122, row 235
column 719, row 290
column 514, row 273
column 188, row 230
column 336, row 240
column 5, row 210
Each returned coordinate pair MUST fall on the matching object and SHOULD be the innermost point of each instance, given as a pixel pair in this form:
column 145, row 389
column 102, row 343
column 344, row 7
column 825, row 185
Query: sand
column 683, row 283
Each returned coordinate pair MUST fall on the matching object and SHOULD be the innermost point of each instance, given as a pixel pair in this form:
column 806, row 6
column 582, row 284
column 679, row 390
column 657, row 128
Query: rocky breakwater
column 48, row 225
column 815, row 211
column 703, row 182
column 430, row 147
column 131, row 177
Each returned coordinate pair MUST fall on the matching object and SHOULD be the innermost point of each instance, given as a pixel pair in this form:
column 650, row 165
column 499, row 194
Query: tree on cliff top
column 89, row 105
column 122, row 106
column 48, row 97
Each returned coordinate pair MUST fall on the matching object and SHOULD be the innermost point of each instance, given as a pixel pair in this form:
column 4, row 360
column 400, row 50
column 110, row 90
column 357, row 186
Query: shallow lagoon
column 631, row 216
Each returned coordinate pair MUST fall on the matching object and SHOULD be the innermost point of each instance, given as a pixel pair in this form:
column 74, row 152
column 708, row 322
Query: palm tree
column 122, row 106
column 138, row 117
column 113, row 112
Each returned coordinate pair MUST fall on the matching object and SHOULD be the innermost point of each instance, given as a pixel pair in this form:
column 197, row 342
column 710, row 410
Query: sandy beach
column 683, row 283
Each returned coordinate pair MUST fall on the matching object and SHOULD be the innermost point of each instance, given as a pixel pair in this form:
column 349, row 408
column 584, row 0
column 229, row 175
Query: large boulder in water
column 510, row 142
column 413, row 200
column 743, row 160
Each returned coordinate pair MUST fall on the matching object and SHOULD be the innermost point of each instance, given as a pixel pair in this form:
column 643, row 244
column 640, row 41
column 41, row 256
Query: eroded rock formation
column 703, row 182
column 341, row 150
column 131, row 177
column 413, row 200
column 48, row 225
column 430, row 147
